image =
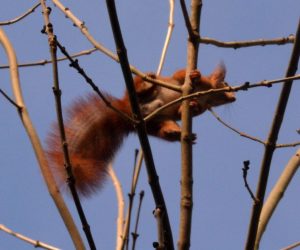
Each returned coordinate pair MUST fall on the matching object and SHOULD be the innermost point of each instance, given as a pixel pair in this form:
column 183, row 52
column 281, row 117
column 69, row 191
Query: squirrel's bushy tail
column 94, row 134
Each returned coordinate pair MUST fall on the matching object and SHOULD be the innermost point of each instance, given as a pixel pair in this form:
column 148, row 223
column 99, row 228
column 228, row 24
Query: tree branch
column 36, row 144
column 84, row 30
column 248, row 43
column 31, row 10
column 249, row 136
column 277, row 194
column 186, row 196
column 48, row 61
column 35, row 243
column 140, row 127
column 57, row 94
column 271, row 142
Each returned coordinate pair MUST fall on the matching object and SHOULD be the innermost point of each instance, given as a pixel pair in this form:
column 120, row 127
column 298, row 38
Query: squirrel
column 95, row 132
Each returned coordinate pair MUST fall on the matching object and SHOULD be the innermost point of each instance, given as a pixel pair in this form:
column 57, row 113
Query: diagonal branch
column 36, row 144
column 168, row 37
column 48, row 29
column 249, row 136
column 35, row 243
column 271, row 142
column 8, row 98
column 234, row 129
column 31, row 10
column 75, row 65
column 140, row 127
column 277, row 194
column 84, row 30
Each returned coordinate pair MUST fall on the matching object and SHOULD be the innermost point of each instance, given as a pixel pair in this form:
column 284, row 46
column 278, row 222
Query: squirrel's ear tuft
column 219, row 73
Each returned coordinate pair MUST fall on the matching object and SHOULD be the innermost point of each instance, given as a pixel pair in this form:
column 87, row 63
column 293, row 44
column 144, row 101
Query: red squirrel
column 95, row 132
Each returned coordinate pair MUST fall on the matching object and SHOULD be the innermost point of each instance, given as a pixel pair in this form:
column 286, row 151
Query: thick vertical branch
column 271, row 143
column 37, row 147
column 186, row 203
column 140, row 126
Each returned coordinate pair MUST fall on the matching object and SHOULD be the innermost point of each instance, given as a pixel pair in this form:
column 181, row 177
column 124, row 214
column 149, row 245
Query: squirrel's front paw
column 196, row 108
column 172, row 135
column 195, row 77
column 192, row 138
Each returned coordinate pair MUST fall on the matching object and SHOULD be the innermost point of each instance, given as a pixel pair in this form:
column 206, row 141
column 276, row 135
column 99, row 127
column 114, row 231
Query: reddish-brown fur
column 95, row 132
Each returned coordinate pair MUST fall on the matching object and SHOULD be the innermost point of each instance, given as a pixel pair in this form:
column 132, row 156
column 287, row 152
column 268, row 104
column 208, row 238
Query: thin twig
column 75, row 65
column 48, row 29
column 245, row 170
column 248, row 43
column 28, row 12
column 271, row 142
column 37, row 147
column 235, row 130
column 288, row 145
column 290, row 247
column 48, row 61
column 168, row 37
column 135, row 234
column 136, row 170
column 84, row 30
column 249, row 136
column 192, row 34
column 11, row 100
column 140, row 127
column 35, row 243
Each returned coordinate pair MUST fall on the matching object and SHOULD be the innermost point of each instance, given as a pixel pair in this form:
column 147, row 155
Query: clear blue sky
column 221, row 204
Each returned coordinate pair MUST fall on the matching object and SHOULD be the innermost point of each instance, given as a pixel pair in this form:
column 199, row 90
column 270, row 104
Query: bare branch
column 135, row 234
column 75, row 65
column 249, row 136
column 290, row 247
column 84, row 30
column 235, row 130
column 186, row 195
column 248, row 43
column 35, row 243
column 11, row 100
column 120, row 201
column 140, row 127
column 48, row 61
column 31, row 10
column 36, row 144
column 48, row 29
column 168, row 37
column 188, row 25
column 245, row 170
column 135, row 176
column 276, row 194
column 288, row 145
column 271, row 142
